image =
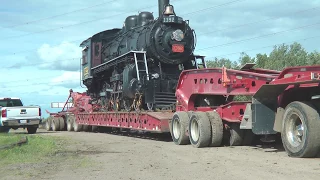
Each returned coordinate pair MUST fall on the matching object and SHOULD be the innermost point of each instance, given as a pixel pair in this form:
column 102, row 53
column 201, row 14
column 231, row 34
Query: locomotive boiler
column 137, row 66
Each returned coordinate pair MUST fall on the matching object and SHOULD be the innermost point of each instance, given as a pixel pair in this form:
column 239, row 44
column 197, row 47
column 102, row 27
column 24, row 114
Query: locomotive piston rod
column 162, row 5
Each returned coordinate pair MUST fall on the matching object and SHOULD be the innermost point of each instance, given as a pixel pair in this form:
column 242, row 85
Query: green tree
column 218, row 63
column 261, row 60
column 280, row 57
column 313, row 58
column 245, row 58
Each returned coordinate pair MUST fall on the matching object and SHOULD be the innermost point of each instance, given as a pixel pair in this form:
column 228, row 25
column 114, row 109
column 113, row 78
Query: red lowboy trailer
column 209, row 109
column 82, row 116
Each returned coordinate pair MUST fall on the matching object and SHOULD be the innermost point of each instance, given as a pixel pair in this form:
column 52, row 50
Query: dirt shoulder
column 40, row 156
column 108, row 156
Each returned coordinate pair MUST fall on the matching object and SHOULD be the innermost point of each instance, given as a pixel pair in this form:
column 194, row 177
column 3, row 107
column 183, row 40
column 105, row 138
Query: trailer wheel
column 77, row 127
column 179, row 128
column 216, row 128
column 55, row 124
column 48, row 124
column 70, row 121
column 62, row 123
column 236, row 135
column 300, row 130
column 199, row 130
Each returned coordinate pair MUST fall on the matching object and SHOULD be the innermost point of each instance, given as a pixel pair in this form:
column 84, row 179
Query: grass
column 38, row 148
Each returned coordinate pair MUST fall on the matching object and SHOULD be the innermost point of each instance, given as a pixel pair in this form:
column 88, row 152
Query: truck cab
column 14, row 115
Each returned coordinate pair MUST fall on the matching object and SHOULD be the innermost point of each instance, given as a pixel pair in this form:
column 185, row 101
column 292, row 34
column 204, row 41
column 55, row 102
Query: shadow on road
column 21, row 131
column 165, row 137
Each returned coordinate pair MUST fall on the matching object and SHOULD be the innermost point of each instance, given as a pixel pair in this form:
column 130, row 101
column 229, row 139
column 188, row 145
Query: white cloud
column 64, row 56
column 68, row 79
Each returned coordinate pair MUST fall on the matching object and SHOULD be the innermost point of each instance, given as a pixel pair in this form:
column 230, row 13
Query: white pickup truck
column 14, row 115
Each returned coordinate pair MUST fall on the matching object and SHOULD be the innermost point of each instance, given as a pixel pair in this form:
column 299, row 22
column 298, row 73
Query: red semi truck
column 208, row 109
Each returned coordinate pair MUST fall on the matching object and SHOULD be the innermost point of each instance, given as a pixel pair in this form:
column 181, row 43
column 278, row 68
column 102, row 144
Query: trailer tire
column 236, row 135
column 48, row 124
column 70, row 121
column 77, row 127
column 216, row 128
column 55, row 124
column 307, row 128
column 199, row 130
column 179, row 128
column 62, row 123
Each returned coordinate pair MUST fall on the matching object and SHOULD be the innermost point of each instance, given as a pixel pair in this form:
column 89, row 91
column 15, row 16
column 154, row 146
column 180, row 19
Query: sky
column 40, row 53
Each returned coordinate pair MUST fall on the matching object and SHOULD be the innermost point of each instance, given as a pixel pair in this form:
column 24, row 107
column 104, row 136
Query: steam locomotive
column 138, row 66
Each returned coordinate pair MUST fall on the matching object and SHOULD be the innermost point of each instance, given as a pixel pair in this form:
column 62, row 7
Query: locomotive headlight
column 177, row 35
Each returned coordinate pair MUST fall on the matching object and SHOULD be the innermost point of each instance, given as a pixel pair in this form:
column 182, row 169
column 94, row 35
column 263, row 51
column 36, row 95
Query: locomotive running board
column 113, row 61
column 143, row 121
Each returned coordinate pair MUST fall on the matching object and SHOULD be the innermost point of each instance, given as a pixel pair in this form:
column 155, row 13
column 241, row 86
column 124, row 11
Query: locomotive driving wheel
column 127, row 104
column 116, row 105
column 137, row 101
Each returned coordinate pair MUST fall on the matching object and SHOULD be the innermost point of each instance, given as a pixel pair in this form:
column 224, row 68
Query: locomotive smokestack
column 162, row 4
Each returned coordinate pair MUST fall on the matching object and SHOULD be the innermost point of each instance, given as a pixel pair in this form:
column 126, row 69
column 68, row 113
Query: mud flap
column 264, row 108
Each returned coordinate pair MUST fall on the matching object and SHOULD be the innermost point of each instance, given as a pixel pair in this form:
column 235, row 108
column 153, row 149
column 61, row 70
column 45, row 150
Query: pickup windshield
column 10, row 102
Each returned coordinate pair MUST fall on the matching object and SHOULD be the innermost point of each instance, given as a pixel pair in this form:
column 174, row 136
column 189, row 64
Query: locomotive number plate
column 177, row 48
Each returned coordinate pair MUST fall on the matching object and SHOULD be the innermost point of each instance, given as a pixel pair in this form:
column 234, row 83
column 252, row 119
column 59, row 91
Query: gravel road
column 130, row 158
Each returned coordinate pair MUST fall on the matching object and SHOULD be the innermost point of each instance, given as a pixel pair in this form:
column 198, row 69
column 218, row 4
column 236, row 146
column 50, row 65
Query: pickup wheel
column 4, row 130
column 32, row 130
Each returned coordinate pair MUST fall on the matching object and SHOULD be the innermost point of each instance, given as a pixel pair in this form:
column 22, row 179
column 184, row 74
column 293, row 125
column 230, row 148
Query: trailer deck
column 147, row 121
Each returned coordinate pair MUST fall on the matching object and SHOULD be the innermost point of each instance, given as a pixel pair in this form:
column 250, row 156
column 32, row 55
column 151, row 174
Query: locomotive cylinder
column 162, row 4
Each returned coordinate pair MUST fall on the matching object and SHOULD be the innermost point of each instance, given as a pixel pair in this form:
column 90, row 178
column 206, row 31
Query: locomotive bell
column 169, row 10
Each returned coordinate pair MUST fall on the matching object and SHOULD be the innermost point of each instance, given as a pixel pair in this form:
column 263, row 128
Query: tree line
column 280, row 57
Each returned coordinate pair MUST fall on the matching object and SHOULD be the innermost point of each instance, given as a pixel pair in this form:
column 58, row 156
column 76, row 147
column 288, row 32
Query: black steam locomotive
column 138, row 66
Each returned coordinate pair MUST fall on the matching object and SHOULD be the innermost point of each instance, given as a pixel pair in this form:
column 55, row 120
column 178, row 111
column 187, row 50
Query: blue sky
column 40, row 39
